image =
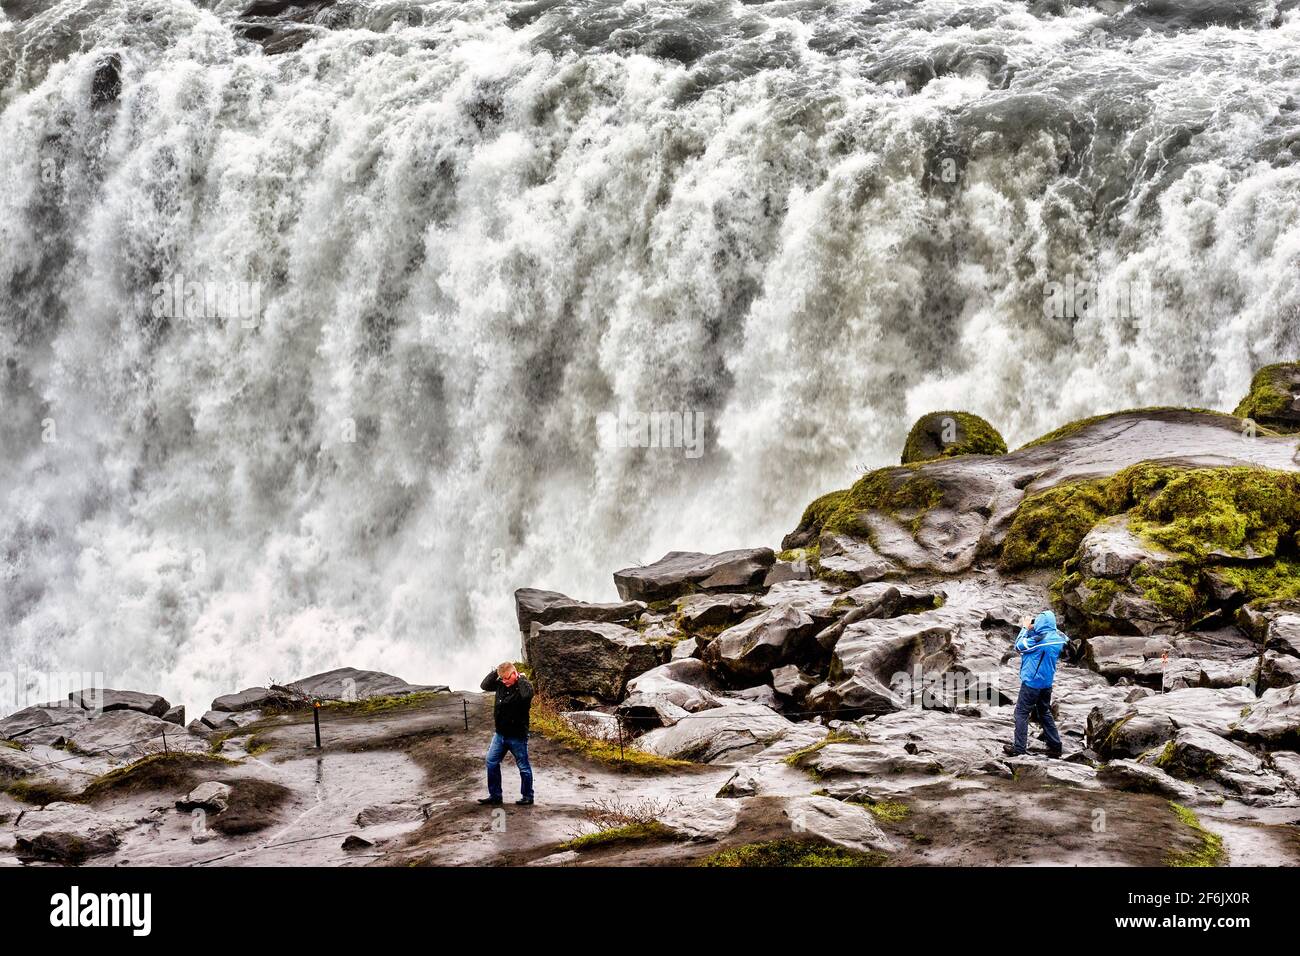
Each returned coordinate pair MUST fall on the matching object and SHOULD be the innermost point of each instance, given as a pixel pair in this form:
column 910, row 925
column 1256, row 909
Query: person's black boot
column 1055, row 754
column 1011, row 751
column 491, row 801
column 525, row 801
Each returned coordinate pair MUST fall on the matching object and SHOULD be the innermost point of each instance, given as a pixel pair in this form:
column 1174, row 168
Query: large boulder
column 349, row 684
column 650, row 710
column 719, row 735
column 1103, row 587
column 679, row 572
column 211, row 797
column 875, row 662
column 256, row 698
column 684, row 683
column 853, row 558
column 841, row 824
column 1283, row 634
column 1274, row 398
column 103, row 700
column 1278, row 670
column 943, row 514
column 698, row 611
column 1117, row 656
column 67, row 833
column 1221, row 658
column 550, row 607
column 746, row 653
column 950, row 433
column 589, row 662
column 1129, row 735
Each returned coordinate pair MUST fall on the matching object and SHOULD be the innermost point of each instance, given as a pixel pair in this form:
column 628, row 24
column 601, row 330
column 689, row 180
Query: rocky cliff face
column 875, row 650
column 850, row 692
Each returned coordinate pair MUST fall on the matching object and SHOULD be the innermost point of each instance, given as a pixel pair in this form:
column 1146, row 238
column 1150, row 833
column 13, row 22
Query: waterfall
column 306, row 353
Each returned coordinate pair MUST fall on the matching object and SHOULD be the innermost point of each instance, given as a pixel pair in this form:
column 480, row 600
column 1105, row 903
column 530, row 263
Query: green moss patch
column 616, row 836
column 165, row 771
column 797, row 758
column 947, row 434
column 885, row 811
column 38, row 792
column 1208, row 852
column 792, row 853
column 1270, row 396
column 382, row 704
column 546, row 720
column 1048, row 526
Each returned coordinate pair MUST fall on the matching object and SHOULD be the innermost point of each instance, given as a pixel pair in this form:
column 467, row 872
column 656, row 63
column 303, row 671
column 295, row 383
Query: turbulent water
column 469, row 230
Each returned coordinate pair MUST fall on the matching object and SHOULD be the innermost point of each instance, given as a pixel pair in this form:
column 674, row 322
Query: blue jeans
column 1036, row 701
column 518, row 748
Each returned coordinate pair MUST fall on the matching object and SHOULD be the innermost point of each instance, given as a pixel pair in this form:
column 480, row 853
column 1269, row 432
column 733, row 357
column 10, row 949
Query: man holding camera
column 514, row 698
column 1039, row 644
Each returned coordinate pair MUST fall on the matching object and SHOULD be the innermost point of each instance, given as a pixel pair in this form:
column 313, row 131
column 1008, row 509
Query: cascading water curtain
column 313, row 353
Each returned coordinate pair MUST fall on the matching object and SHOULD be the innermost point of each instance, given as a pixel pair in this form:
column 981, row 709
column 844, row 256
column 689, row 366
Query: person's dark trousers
column 518, row 748
column 1035, row 701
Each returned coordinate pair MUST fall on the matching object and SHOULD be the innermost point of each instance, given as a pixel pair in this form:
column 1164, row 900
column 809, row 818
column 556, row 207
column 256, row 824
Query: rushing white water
column 474, row 227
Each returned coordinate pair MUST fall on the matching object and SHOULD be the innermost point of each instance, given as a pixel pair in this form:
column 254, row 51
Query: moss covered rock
column 950, row 433
column 1169, row 545
column 1274, row 398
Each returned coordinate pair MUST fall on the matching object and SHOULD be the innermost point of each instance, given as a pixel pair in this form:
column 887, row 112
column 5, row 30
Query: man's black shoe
column 1055, row 754
column 491, row 801
column 525, row 801
column 1011, row 751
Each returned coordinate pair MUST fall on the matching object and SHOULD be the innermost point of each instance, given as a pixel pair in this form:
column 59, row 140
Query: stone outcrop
column 589, row 661
column 680, row 572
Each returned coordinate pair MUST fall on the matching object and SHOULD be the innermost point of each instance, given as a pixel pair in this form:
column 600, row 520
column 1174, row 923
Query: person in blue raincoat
column 1040, row 645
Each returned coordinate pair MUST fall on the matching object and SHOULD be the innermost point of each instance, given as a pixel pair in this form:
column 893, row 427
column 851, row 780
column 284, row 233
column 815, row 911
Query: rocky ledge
column 844, row 699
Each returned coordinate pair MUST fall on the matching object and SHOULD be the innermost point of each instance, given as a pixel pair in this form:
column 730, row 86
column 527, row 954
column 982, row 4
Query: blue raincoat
column 1039, row 648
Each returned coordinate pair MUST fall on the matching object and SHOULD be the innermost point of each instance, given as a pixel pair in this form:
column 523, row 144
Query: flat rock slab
column 120, row 730
column 251, row 698
column 1138, row 778
column 388, row 813
column 24, row 722
column 549, row 607
column 349, row 683
column 1214, row 709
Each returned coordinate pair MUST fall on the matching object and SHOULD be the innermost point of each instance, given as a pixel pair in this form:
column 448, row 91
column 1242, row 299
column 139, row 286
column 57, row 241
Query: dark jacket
column 511, row 709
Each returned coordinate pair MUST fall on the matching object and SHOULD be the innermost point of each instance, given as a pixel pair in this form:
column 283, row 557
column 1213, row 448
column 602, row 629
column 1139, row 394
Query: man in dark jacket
column 514, row 698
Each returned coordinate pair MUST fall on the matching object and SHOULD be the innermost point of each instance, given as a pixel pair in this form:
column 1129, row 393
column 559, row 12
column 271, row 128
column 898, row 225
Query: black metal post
column 315, row 714
column 619, row 718
column 164, row 736
column 464, row 703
